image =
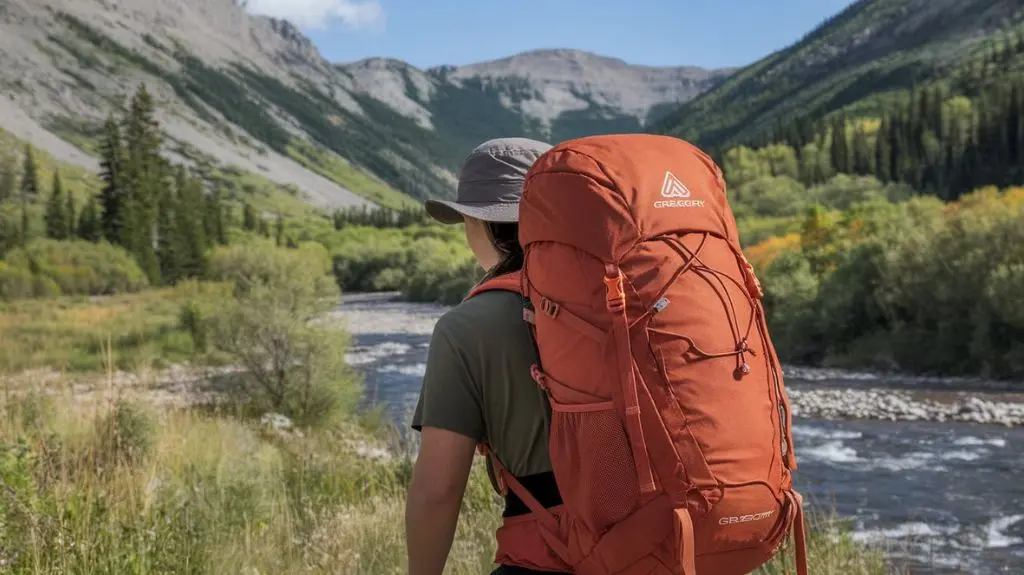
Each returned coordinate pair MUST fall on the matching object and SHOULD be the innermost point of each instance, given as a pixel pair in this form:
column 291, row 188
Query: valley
column 190, row 193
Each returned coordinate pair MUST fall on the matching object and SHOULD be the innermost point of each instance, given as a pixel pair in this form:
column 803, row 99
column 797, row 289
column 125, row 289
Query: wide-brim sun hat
column 490, row 182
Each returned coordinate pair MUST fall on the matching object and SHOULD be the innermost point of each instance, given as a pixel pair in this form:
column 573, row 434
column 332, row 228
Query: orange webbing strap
column 684, row 535
column 555, row 311
column 547, row 522
column 799, row 533
column 509, row 282
column 631, row 401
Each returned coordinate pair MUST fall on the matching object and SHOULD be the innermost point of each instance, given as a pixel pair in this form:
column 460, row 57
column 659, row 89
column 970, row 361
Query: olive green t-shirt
column 478, row 382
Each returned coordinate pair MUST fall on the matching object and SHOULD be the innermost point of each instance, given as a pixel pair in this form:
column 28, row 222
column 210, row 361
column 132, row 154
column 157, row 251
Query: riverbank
column 906, row 487
column 825, row 393
column 882, row 404
column 828, row 393
column 344, row 485
column 183, row 385
column 114, row 477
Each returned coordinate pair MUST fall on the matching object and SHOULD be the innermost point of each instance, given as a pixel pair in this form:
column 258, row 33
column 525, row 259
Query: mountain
column 853, row 61
column 246, row 98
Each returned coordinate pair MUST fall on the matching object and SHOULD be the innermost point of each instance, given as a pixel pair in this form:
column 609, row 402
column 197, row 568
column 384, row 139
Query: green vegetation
column 426, row 263
column 138, row 202
column 25, row 201
column 857, row 60
column 857, row 213
column 74, row 267
column 337, row 169
column 128, row 488
column 69, row 333
column 838, row 177
column 390, row 145
column 917, row 286
column 471, row 111
column 936, row 142
column 107, row 482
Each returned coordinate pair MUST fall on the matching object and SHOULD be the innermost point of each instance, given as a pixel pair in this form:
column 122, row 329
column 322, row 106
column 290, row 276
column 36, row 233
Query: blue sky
column 710, row 33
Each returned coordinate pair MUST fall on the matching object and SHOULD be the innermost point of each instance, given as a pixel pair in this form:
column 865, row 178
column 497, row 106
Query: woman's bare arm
column 435, row 497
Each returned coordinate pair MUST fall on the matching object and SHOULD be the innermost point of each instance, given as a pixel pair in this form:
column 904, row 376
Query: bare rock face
column 395, row 83
column 52, row 71
column 559, row 81
column 541, row 85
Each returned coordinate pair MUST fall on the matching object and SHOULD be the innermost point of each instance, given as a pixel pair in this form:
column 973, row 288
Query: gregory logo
column 745, row 518
column 676, row 192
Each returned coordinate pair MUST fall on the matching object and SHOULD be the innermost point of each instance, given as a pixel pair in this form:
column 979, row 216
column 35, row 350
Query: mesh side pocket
column 592, row 459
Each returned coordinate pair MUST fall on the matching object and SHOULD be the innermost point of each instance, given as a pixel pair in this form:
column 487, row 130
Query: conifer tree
column 922, row 141
column 70, row 215
column 29, row 190
column 279, row 231
column 883, row 152
column 213, row 218
column 168, row 237
column 862, row 155
column 8, row 177
column 89, row 225
column 1015, row 126
column 840, row 150
column 248, row 218
column 144, row 171
column 56, row 217
column 191, row 230
column 112, row 196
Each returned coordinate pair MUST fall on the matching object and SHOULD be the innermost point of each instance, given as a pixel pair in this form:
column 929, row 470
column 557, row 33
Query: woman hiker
column 477, row 387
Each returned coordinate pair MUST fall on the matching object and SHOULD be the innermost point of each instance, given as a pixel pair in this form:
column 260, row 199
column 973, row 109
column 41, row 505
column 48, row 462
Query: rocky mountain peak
column 550, row 82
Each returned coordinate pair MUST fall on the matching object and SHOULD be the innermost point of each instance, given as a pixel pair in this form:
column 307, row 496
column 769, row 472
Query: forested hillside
column 860, row 60
column 890, row 234
column 941, row 137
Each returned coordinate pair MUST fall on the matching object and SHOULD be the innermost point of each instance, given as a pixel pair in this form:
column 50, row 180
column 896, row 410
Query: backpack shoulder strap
column 507, row 282
column 548, row 524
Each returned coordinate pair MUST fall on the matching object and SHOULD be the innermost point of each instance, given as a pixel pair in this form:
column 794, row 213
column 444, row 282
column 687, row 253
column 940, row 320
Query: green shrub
column 426, row 263
column 125, row 434
column 370, row 259
column 20, row 283
column 843, row 191
column 76, row 267
column 193, row 321
column 770, row 196
column 262, row 263
column 442, row 272
column 920, row 286
column 292, row 365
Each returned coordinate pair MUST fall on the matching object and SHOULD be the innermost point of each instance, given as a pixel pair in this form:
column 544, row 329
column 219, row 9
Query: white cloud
column 354, row 14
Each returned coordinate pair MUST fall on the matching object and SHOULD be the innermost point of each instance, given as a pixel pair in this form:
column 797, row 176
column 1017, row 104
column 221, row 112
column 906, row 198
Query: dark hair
column 505, row 237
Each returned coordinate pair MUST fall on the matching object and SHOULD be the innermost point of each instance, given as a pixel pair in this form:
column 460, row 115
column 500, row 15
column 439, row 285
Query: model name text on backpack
column 672, row 187
column 745, row 518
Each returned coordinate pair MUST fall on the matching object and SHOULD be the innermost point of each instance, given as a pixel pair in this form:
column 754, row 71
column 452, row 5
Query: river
column 942, row 497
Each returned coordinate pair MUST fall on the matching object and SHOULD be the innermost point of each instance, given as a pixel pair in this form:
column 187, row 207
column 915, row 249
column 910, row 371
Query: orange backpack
column 670, row 436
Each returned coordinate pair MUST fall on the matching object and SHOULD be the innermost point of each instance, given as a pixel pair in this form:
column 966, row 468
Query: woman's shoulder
column 479, row 315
